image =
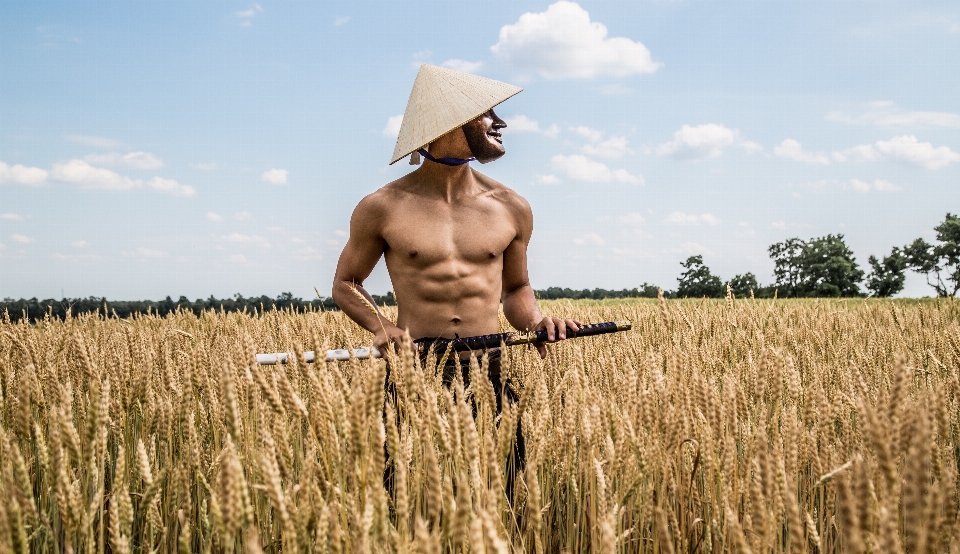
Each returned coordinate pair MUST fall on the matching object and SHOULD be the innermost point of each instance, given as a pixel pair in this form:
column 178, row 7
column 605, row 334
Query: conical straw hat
column 442, row 100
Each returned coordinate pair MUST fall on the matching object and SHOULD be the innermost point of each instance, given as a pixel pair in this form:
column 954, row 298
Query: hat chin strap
column 444, row 161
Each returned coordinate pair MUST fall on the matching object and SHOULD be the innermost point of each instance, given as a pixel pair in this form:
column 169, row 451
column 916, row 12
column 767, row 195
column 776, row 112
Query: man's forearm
column 358, row 310
column 520, row 308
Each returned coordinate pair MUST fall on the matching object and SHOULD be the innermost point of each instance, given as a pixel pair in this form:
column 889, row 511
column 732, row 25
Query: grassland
column 713, row 426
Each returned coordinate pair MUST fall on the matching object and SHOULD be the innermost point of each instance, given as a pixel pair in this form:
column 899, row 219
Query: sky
column 209, row 148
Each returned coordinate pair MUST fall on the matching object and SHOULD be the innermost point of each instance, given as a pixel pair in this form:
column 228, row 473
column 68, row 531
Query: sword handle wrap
column 494, row 341
column 585, row 331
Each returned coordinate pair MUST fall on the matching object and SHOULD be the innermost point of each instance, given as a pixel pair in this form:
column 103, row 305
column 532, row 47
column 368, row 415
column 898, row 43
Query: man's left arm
column 519, row 303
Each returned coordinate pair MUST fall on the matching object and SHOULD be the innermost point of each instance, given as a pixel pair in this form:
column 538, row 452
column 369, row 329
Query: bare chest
column 433, row 234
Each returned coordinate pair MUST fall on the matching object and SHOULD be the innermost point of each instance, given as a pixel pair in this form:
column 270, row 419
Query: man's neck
column 445, row 180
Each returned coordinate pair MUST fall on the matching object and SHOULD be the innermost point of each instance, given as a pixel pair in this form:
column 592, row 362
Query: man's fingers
column 573, row 325
column 561, row 328
column 551, row 328
column 542, row 350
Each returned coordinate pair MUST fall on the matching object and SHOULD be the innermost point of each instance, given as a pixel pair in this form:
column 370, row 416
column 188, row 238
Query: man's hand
column 390, row 334
column 556, row 330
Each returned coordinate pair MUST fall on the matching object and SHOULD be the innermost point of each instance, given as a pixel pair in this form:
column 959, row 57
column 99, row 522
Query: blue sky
column 195, row 148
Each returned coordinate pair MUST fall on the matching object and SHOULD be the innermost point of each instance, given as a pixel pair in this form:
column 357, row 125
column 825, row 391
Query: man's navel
column 455, row 321
column 413, row 253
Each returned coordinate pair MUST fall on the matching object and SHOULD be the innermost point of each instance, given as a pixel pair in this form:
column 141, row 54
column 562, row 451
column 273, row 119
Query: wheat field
column 712, row 426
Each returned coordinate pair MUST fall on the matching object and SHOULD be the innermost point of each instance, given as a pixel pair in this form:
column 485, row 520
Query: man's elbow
column 340, row 288
column 514, row 289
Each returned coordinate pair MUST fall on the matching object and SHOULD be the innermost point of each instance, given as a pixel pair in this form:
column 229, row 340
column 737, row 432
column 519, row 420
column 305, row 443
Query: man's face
column 483, row 137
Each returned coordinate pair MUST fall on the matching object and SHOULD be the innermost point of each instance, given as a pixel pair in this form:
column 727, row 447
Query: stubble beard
column 482, row 146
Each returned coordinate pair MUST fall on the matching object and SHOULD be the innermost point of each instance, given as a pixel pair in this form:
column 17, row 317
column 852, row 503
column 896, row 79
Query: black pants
column 500, row 389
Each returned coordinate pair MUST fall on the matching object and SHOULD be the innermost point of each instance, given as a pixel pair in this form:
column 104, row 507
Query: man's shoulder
column 384, row 196
column 503, row 193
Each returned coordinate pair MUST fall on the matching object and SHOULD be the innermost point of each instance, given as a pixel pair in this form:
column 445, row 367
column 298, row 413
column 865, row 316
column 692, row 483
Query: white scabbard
column 332, row 356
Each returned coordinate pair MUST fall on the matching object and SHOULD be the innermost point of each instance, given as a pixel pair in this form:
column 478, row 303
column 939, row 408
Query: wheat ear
column 356, row 292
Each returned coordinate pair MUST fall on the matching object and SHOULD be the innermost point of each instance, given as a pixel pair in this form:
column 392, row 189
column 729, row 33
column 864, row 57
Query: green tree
column 888, row 275
column 939, row 263
column 743, row 285
column 697, row 281
column 829, row 268
column 822, row 266
column 786, row 271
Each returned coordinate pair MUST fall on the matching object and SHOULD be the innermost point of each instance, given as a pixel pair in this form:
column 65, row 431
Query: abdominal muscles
column 447, row 299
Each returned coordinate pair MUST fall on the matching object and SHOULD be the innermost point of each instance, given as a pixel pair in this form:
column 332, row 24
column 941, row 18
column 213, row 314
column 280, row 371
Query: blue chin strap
column 444, row 161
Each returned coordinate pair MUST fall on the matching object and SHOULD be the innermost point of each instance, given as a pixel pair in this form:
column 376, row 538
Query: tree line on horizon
column 825, row 267
column 818, row 267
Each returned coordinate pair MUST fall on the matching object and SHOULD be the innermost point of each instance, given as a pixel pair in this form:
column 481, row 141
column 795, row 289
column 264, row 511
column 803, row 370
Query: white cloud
column 562, row 43
column 274, row 229
column 593, row 135
column 143, row 252
column 275, row 176
column 392, row 128
column 886, row 114
column 22, row 175
column 581, row 168
column 134, row 160
column 341, row 233
column 22, row 239
column 250, row 12
column 204, row 166
column 744, row 230
column 79, row 244
column 463, row 65
column 170, row 186
column 633, row 219
column 237, row 258
column 76, row 258
column 590, row 239
column 863, row 153
column 11, row 216
column 792, row 150
column 878, row 185
column 523, row 124
column 308, row 254
column 82, row 173
column 420, row 57
column 216, row 218
column 245, row 239
column 694, row 248
column 546, row 179
column 97, row 142
column 242, row 216
column 909, row 149
column 704, row 142
column 341, row 20
column 904, row 148
column 680, row 218
column 613, row 147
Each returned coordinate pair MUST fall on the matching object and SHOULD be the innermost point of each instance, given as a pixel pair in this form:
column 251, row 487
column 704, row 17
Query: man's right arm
column 360, row 255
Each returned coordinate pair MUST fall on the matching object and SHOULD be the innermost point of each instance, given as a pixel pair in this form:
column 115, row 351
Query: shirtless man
column 455, row 240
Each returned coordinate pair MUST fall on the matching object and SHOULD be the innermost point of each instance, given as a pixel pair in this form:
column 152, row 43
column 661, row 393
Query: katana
column 459, row 344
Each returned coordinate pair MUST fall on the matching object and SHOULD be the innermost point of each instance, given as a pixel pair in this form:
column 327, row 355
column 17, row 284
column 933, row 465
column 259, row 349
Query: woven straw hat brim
column 442, row 100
